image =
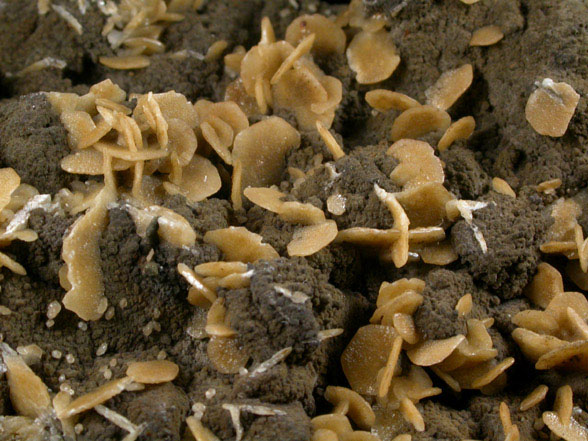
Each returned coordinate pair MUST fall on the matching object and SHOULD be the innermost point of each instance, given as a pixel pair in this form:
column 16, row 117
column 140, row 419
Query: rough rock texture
column 513, row 229
column 147, row 297
column 436, row 317
column 353, row 177
column 463, row 175
column 43, row 256
column 485, row 410
column 28, row 124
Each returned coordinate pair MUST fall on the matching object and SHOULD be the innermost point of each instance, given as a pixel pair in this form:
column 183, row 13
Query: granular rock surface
column 258, row 341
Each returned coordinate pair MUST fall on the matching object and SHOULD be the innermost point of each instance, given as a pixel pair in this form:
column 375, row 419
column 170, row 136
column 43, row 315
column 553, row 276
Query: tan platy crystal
column 261, row 149
column 182, row 140
column 228, row 111
column 549, row 186
column 501, row 186
column 12, row 265
column 63, row 102
column 220, row 269
column 261, row 62
column 357, row 18
column 464, row 305
column 564, row 403
column 558, row 307
column 215, row 50
column 219, row 124
column 358, row 409
column 560, row 421
column 358, row 435
column 81, row 254
column 97, row 396
column 372, row 56
column 147, row 45
column 474, row 350
column 173, row 228
column 336, row 204
column 9, row 181
column 294, row 212
column 299, row 213
column 425, row 203
column 371, row 237
column 492, row 374
column 171, row 104
column 309, row 93
column 405, row 303
column 20, row 196
column 330, row 141
column 534, row 345
column 572, row 355
column 233, row 60
column 505, row 420
column 22, row 428
column 225, row 354
column 389, row 291
column 31, row 354
column 576, row 325
column 365, row 355
column 198, row 430
column 441, row 253
column 268, row 34
column 388, row 371
column 536, row 321
column 324, row 435
column 565, row 213
column 334, row 422
column 573, row 431
column 302, row 48
column 237, row 185
column 200, row 179
column 575, row 273
column 90, row 162
column 546, row 284
column 216, row 323
column 113, row 106
column 313, row 238
column 384, row 100
column 399, row 249
column 236, row 93
column 60, row 401
column 431, row 352
column 109, row 91
column 28, row 393
column 450, row 86
column 535, row 397
column 126, row 62
column 236, row 280
column 486, row 36
column 79, row 124
column 460, row 129
column 404, row 325
column 240, row 244
column 412, row 414
column 418, row 121
column 269, row 198
column 418, row 164
column 153, row 372
column 551, row 107
column 127, row 155
column 329, row 38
